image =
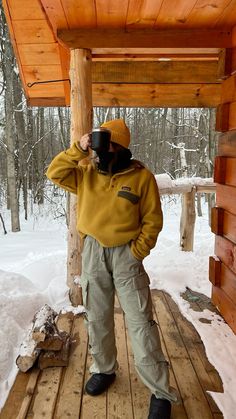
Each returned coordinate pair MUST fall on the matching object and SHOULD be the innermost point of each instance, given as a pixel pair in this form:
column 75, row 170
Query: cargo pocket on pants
column 141, row 286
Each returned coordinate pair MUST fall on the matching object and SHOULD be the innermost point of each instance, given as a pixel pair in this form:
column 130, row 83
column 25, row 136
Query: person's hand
column 85, row 142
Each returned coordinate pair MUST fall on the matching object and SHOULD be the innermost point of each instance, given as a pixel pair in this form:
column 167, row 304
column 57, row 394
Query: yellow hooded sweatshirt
column 114, row 209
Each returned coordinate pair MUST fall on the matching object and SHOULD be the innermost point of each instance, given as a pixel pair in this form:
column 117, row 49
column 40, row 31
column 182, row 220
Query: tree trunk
column 199, row 205
column 183, row 162
column 22, row 141
column 40, row 158
column 8, row 68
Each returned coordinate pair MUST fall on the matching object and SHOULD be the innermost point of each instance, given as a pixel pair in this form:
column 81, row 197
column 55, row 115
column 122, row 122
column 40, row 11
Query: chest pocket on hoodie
column 129, row 196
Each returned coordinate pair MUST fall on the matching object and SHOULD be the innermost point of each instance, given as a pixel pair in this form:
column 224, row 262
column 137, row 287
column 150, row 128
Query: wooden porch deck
column 58, row 392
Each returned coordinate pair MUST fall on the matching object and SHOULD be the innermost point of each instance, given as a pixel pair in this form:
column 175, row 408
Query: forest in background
column 177, row 141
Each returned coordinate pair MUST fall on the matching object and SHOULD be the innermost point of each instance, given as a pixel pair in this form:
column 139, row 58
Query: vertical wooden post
column 81, row 123
column 187, row 221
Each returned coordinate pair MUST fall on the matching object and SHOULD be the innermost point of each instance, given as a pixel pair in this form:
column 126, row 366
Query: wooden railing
column 188, row 188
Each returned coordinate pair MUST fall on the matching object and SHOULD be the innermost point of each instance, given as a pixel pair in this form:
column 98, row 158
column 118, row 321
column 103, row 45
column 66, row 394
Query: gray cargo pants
column 104, row 271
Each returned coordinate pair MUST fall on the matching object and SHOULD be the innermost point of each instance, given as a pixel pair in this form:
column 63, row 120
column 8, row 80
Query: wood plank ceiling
column 145, row 52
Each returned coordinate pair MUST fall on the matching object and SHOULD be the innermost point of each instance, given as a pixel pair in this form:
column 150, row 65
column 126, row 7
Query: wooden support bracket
column 217, row 218
column 233, row 64
column 225, row 63
column 220, row 169
column 214, row 270
column 222, row 117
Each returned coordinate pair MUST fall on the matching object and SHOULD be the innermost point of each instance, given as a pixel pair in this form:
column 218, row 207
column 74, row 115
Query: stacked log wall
column 222, row 267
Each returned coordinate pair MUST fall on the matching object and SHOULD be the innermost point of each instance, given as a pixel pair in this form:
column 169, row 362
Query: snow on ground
column 33, row 272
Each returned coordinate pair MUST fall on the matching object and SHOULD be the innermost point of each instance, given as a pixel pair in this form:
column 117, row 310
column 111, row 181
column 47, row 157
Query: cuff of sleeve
column 86, row 153
column 136, row 254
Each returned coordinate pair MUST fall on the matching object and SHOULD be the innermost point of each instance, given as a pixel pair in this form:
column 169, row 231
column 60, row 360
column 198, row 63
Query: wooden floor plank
column 71, row 390
column 93, row 407
column 140, row 393
column 30, row 389
column 119, row 402
column 199, row 302
column 16, row 396
column 178, row 409
column 192, row 340
column 45, row 399
column 192, row 394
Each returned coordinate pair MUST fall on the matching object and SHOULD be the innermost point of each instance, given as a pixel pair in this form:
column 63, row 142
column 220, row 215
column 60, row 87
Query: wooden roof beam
column 145, row 95
column 155, row 54
column 156, row 95
column 144, row 38
column 130, row 72
column 155, row 57
column 155, row 72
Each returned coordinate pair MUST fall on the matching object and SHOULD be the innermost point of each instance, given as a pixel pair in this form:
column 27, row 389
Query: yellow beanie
column 120, row 133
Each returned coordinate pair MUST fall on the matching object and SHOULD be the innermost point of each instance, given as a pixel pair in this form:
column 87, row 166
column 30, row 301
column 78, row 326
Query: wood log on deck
column 28, row 353
column 43, row 326
column 52, row 343
column 55, row 358
column 43, row 323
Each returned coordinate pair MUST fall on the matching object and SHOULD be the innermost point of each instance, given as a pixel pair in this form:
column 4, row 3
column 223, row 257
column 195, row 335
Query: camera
column 100, row 139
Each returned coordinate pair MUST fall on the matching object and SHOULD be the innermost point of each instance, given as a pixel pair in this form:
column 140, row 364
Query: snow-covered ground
column 33, row 272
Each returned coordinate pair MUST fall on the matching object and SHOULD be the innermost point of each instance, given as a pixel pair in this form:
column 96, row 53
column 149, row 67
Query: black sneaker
column 159, row 408
column 99, row 383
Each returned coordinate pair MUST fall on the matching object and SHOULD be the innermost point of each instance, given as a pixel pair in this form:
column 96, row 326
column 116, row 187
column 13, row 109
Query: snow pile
column 32, row 273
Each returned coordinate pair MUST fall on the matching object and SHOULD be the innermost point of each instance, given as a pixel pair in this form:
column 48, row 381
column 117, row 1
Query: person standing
column 119, row 218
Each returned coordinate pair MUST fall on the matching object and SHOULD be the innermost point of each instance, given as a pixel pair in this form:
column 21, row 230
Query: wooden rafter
column 144, row 38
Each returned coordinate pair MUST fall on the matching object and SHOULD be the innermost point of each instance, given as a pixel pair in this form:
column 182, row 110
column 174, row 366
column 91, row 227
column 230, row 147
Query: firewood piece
column 53, row 343
column 28, row 353
column 43, row 323
column 55, row 359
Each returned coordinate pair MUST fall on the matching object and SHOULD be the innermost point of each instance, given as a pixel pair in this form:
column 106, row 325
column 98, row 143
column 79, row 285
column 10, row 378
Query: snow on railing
column 188, row 187
column 170, row 186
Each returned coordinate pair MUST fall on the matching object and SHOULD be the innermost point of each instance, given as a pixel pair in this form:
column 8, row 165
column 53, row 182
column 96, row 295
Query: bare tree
column 8, row 68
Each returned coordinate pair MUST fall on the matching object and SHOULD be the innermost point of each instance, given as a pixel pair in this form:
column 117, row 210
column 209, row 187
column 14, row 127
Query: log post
column 81, row 123
column 187, row 221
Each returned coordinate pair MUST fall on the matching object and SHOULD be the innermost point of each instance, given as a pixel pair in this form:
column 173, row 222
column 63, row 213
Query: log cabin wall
column 222, row 268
